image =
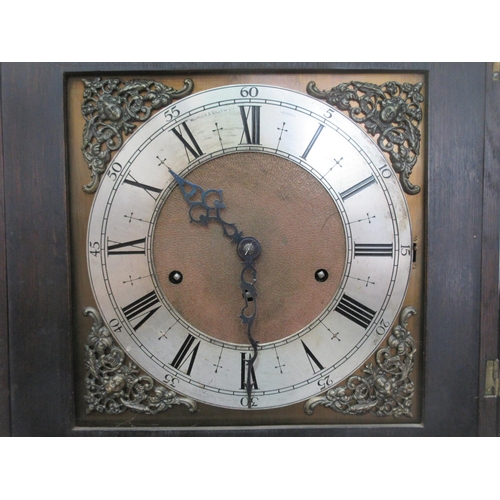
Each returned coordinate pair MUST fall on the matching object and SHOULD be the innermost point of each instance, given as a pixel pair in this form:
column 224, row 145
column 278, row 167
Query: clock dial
column 310, row 186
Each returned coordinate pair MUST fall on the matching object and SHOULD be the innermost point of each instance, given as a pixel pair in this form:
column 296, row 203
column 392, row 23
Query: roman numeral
column 313, row 360
column 141, row 309
column 372, row 249
column 150, row 190
column 313, row 140
column 251, row 123
column 186, row 352
column 357, row 187
column 244, row 372
column 355, row 311
column 189, row 142
column 127, row 248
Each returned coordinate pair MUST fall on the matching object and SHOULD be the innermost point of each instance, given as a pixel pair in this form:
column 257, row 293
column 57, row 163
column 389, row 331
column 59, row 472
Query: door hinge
column 492, row 382
column 496, row 71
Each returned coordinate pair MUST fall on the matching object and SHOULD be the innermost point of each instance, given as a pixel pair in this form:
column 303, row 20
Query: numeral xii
column 251, row 123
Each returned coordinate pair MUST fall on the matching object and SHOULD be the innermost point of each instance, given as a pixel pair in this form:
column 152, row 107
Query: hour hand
column 205, row 206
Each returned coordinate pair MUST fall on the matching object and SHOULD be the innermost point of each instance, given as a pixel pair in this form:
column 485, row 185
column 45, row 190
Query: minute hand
column 202, row 211
column 249, row 249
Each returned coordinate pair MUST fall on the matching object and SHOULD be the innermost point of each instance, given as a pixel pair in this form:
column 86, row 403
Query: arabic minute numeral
column 171, row 380
column 325, row 382
column 114, row 170
column 249, row 92
column 95, row 248
column 385, row 171
column 405, row 250
column 382, row 327
column 171, row 114
column 115, row 325
column 254, row 401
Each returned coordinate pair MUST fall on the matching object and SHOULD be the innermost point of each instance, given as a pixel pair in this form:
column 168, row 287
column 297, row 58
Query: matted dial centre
column 278, row 206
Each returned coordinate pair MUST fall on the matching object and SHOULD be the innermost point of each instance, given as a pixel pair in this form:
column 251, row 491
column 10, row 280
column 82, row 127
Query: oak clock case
column 322, row 294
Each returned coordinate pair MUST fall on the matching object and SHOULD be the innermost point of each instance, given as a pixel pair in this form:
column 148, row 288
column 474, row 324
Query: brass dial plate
column 80, row 204
column 330, row 148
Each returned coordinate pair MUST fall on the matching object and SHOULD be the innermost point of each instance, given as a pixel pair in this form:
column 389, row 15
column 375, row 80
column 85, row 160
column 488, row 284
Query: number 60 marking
column 249, row 92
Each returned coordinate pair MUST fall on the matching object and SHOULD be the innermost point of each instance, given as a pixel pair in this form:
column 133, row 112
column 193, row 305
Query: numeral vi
column 244, row 362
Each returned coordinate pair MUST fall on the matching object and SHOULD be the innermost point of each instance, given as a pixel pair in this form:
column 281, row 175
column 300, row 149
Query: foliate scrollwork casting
column 383, row 390
column 115, row 384
column 111, row 109
column 391, row 110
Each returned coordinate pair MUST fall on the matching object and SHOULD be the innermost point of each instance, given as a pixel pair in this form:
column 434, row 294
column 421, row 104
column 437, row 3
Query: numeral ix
column 128, row 247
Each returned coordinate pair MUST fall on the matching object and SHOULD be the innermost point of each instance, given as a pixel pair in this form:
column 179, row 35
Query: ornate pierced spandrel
column 392, row 111
column 112, row 108
column 114, row 384
column 382, row 390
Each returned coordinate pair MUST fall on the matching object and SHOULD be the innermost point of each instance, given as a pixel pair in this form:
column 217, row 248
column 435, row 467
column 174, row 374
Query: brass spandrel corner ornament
column 383, row 390
column 114, row 384
column 391, row 110
column 112, row 108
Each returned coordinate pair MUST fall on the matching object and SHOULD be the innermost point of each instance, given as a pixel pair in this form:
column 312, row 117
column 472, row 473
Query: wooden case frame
column 461, row 292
